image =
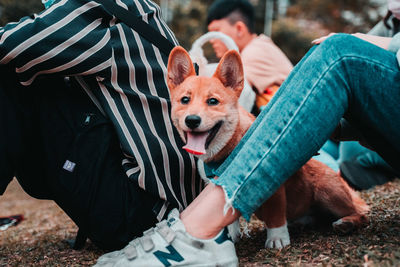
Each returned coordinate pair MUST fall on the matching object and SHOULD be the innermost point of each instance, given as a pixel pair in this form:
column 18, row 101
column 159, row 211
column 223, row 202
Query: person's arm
column 71, row 37
column 394, row 45
column 376, row 40
column 380, row 30
column 389, row 43
column 380, row 41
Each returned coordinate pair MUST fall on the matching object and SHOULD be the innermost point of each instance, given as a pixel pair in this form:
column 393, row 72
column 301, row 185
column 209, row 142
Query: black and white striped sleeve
column 70, row 38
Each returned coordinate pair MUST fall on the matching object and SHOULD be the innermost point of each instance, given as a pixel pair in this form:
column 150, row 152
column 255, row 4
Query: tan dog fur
column 313, row 184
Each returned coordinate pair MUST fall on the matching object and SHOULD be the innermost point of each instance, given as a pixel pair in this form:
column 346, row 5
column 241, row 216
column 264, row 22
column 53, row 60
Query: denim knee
column 338, row 39
column 341, row 45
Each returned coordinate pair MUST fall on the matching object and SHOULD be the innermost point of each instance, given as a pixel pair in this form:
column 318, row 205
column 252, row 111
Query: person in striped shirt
column 115, row 168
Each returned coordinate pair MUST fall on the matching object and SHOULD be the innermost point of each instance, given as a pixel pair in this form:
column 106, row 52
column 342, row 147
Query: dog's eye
column 185, row 100
column 212, row 101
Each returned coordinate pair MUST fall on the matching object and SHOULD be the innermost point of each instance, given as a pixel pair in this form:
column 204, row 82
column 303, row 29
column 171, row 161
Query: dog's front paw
column 234, row 231
column 277, row 237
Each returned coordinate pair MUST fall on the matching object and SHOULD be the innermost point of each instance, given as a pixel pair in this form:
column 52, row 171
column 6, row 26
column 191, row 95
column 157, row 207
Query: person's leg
column 332, row 148
column 363, row 168
column 371, row 158
column 327, row 159
column 339, row 78
column 45, row 125
column 350, row 149
column 96, row 193
column 7, row 119
column 328, row 154
column 16, row 122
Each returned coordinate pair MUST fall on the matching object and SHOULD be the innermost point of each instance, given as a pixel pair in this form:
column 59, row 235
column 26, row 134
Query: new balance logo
column 165, row 257
column 69, row 166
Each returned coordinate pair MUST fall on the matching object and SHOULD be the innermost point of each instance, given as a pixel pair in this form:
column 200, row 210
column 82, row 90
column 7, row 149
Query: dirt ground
column 40, row 239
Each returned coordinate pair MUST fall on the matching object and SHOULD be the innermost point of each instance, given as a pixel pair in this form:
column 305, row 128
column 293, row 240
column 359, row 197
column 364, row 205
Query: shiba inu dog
column 210, row 121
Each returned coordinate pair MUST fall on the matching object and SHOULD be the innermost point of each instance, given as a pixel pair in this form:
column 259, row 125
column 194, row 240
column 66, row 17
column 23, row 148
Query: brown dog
column 207, row 115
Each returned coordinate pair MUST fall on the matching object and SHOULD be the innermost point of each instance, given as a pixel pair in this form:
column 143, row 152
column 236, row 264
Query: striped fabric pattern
column 126, row 73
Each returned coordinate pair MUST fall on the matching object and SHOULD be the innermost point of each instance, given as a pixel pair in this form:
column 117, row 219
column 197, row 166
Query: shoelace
column 146, row 241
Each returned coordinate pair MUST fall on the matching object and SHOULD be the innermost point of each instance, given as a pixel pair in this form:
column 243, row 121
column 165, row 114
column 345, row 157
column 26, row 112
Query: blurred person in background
column 265, row 65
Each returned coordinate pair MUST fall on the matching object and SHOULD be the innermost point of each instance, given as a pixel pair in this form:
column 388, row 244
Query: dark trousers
column 59, row 146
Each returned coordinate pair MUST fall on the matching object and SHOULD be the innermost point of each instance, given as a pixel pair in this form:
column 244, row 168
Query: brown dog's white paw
column 234, row 231
column 277, row 237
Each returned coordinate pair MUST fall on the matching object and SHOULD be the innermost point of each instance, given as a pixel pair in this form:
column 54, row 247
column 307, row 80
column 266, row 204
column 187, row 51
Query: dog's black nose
column 192, row 121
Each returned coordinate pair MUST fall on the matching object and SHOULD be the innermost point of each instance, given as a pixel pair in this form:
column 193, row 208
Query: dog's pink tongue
column 196, row 143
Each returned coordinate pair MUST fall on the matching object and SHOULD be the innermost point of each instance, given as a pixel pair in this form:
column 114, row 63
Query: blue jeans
column 342, row 77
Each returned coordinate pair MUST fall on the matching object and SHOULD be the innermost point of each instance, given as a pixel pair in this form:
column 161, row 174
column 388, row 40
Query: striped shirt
column 127, row 75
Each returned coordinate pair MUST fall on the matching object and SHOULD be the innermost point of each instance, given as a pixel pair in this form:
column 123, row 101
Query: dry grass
column 40, row 238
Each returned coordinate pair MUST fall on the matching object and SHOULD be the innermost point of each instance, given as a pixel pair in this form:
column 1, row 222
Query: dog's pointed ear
column 230, row 71
column 180, row 67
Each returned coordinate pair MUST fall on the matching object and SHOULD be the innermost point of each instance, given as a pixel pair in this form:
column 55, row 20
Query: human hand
column 323, row 38
column 382, row 42
column 219, row 47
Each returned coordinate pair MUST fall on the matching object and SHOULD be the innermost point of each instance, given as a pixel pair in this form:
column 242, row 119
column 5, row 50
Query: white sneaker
column 168, row 244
